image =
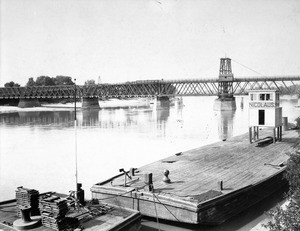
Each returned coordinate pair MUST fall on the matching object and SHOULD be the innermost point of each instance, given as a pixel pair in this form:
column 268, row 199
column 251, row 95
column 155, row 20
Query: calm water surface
column 37, row 147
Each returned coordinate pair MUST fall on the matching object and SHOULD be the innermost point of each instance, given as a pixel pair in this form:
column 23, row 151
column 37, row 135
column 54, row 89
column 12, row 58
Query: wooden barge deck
column 114, row 219
column 249, row 173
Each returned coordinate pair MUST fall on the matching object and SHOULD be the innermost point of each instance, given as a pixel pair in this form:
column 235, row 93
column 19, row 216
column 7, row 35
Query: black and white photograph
column 167, row 115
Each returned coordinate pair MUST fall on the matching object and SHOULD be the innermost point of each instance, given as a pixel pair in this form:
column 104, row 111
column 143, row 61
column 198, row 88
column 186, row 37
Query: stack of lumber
column 53, row 212
column 28, row 198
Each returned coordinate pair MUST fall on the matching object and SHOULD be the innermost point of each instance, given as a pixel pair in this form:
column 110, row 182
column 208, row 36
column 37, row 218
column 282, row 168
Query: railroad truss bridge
column 225, row 87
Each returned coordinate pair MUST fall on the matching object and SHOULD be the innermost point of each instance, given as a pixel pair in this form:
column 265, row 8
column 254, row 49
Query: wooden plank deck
column 236, row 162
column 195, row 175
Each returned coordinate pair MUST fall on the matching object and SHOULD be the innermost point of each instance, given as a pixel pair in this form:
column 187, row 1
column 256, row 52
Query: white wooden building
column 264, row 111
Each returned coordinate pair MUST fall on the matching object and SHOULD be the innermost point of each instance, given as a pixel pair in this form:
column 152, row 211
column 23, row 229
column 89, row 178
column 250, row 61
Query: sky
column 115, row 41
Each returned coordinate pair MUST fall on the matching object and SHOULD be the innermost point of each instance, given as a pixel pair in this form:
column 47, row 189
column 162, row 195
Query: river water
column 37, row 147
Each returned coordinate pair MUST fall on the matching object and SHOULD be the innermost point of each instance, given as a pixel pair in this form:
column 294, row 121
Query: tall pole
column 75, row 131
column 75, row 99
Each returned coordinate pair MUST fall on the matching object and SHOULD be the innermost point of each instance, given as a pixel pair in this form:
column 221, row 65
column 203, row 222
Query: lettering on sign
column 263, row 104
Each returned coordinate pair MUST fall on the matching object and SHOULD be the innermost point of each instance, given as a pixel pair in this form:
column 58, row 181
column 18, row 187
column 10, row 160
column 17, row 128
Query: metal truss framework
column 152, row 88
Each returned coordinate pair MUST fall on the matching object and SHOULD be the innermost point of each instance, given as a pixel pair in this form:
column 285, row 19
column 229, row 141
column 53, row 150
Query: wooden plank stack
column 27, row 197
column 53, row 212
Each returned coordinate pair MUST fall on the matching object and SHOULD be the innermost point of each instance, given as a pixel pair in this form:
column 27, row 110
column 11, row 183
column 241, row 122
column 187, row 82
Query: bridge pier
column 162, row 101
column 28, row 102
column 90, row 103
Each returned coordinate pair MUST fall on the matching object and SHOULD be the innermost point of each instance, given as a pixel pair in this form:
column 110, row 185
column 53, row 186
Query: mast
column 75, row 132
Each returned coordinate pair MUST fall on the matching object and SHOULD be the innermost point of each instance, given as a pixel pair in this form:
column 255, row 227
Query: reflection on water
column 111, row 118
column 163, row 114
column 105, row 118
column 36, row 118
column 225, row 124
column 186, row 116
column 242, row 103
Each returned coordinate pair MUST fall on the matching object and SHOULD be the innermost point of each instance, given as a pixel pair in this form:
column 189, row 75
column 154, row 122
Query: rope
column 156, row 212
column 153, row 202
column 122, row 194
column 6, row 211
column 7, row 206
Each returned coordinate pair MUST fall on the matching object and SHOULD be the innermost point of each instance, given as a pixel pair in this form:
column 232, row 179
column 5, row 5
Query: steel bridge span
column 225, row 87
column 152, row 88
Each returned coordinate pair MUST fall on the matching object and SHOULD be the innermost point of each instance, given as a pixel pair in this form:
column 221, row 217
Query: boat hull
column 115, row 220
column 221, row 209
column 209, row 185
column 212, row 212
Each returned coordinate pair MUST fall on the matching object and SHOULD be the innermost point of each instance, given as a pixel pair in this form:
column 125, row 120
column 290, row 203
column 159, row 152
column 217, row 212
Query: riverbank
column 12, row 109
column 112, row 103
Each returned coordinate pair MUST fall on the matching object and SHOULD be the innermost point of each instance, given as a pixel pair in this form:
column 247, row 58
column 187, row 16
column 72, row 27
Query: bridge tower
column 225, row 85
column 226, row 100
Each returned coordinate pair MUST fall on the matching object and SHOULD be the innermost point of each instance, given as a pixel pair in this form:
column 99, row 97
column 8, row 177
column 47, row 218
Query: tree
column 90, row 82
column 285, row 220
column 294, row 89
column 44, row 81
column 11, row 84
column 30, row 82
column 297, row 122
column 63, row 80
column 288, row 219
column 50, row 81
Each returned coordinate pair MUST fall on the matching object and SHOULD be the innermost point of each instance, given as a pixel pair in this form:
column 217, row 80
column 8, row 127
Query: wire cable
column 166, row 208
column 248, row 68
column 122, row 194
